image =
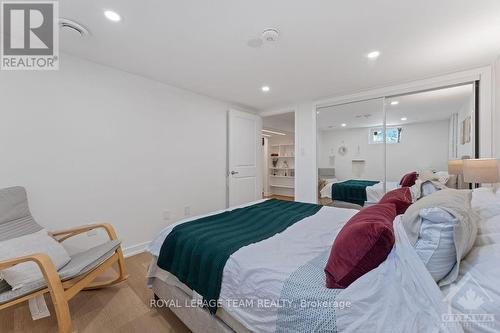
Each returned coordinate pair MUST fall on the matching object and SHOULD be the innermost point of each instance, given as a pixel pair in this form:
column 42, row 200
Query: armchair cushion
column 15, row 215
column 26, row 273
column 7, row 294
column 86, row 261
column 80, row 264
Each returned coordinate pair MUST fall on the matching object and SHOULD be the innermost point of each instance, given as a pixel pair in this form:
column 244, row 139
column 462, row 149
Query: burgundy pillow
column 401, row 197
column 364, row 242
column 409, row 179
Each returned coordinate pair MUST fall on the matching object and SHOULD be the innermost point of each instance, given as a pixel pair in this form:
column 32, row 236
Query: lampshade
column 455, row 167
column 484, row 170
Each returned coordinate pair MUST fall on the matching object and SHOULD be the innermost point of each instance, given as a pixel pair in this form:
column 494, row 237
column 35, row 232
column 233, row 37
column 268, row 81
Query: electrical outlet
column 91, row 233
column 187, row 211
column 166, row 215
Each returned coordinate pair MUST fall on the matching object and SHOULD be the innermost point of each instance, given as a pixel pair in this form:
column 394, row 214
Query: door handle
column 234, row 173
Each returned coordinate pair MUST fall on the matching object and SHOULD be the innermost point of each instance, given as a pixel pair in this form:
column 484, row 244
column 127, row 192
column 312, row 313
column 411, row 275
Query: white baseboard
column 135, row 249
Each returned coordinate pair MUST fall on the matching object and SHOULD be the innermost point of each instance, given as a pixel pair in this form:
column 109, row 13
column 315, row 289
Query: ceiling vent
column 72, row 26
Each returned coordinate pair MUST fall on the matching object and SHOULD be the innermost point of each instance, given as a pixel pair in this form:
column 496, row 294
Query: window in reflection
column 436, row 126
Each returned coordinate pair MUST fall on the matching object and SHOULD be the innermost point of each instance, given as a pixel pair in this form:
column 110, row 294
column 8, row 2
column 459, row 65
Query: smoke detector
column 270, row 35
column 74, row 27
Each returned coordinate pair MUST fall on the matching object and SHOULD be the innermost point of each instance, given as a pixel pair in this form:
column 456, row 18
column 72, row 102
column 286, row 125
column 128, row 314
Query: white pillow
column 26, row 273
column 483, row 196
column 485, row 203
column 442, row 176
column 435, row 244
column 428, row 188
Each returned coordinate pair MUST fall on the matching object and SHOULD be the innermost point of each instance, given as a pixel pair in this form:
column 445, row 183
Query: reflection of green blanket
column 196, row 251
column 353, row 191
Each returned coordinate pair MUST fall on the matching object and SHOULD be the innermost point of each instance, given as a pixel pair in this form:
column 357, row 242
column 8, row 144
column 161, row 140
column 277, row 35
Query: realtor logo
column 467, row 303
column 30, row 35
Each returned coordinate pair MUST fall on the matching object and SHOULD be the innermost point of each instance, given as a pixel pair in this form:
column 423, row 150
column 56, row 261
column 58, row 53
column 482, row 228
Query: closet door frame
column 484, row 115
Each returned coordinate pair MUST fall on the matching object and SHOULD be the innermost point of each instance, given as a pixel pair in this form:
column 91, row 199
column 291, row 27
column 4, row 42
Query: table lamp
column 455, row 167
column 481, row 170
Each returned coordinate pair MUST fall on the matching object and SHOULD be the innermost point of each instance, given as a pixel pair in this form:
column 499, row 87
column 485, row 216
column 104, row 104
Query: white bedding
column 477, row 287
column 258, row 271
column 400, row 295
column 373, row 193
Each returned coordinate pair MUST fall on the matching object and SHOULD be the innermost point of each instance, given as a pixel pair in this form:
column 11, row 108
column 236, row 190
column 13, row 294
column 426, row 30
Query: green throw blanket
column 196, row 252
column 353, row 191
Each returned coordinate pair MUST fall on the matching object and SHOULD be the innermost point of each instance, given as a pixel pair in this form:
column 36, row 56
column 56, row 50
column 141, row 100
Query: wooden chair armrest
column 43, row 261
column 78, row 230
column 54, row 285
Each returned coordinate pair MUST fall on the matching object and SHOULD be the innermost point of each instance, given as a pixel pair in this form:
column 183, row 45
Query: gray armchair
column 77, row 275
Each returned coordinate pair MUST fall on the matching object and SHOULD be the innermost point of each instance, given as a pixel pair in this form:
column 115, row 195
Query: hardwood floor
column 280, row 197
column 123, row 308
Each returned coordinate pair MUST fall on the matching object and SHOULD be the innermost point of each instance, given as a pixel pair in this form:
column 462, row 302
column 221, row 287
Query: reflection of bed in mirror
column 374, row 192
column 384, row 138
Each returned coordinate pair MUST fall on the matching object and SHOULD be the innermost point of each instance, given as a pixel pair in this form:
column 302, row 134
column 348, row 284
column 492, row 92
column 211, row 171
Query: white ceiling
column 281, row 122
column 202, row 45
column 417, row 108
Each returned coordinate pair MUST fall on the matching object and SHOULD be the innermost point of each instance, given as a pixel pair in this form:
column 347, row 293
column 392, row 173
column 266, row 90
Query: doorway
column 278, row 149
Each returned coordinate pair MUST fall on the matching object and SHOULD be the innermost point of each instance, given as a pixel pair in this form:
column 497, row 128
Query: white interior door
column 244, row 157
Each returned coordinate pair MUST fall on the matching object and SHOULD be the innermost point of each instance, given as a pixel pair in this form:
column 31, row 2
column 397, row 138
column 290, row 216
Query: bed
column 351, row 193
column 374, row 192
column 261, row 280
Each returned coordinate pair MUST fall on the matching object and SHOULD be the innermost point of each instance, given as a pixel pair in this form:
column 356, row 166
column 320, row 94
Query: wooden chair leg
column 121, row 264
column 63, row 315
column 56, row 291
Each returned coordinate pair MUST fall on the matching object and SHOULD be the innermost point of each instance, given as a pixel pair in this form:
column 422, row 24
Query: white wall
column 305, row 153
column 289, row 138
column 423, row 146
column 328, row 156
column 91, row 143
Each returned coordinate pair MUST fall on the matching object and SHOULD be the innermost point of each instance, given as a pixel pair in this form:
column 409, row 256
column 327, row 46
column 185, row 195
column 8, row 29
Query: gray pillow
column 26, row 273
column 436, row 245
column 458, row 204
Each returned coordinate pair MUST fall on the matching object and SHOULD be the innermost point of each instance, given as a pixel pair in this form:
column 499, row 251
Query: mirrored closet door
column 350, row 155
column 365, row 148
column 427, row 130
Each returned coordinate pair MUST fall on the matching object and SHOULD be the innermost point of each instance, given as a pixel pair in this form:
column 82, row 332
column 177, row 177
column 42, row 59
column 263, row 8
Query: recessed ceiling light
column 394, row 102
column 266, row 135
column 373, row 55
column 404, row 119
column 112, row 16
column 273, row 132
column 343, row 125
column 265, row 88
